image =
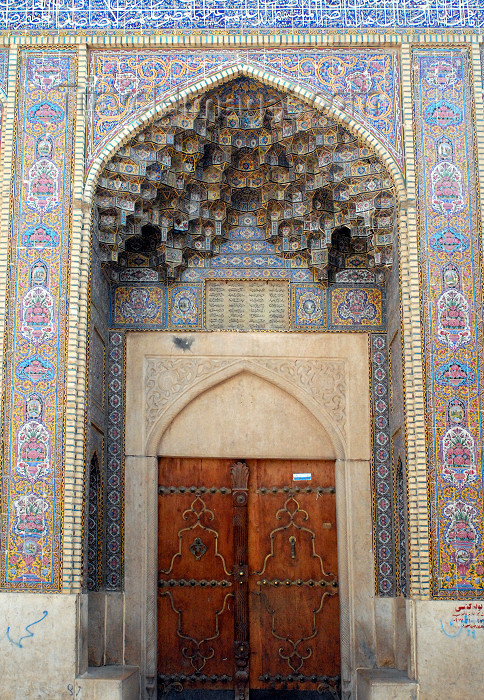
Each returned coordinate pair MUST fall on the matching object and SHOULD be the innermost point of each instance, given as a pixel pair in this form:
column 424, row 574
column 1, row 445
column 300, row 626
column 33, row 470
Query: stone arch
column 332, row 422
column 305, row 94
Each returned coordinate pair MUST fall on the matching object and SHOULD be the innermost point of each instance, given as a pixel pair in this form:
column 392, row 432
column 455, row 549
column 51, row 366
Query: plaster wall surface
column 227, row 422
column 106, row 628
column 316, row 369
column 42, row 647
column 441, row 641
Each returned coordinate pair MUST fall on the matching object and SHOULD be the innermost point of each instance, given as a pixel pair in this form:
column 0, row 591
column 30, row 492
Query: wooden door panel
column 286, row 585
column 196, row 650
column 294, row 606
column 195, row 562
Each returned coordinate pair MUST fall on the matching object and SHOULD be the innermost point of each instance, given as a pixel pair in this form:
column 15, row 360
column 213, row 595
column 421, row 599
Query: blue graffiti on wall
column 27, row 629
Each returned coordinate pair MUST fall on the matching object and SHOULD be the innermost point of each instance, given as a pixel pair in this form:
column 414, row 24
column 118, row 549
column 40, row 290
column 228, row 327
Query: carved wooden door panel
column 195, row 586
column 294, row 602
column 248, row 593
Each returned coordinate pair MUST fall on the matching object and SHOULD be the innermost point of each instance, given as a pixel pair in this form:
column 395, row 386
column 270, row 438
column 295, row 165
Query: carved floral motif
column 323, row 380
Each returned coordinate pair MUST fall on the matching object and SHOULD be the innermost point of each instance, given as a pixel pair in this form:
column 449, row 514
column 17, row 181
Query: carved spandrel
column 323, row 380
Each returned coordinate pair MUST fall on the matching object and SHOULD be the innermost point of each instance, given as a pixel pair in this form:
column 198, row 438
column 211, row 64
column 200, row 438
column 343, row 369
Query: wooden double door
column 248, row 599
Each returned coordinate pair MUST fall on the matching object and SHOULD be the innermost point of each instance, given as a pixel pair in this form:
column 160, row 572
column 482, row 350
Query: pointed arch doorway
column 248, row 591
column 238, row 401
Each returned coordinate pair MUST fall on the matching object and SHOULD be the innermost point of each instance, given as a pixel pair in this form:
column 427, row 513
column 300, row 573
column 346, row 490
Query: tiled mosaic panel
column 384, row 539
column 115, row 463
column 308, row 307
column 97, row 406
column 107, row 15
column 364, row 83
column 247, row 255
column 180, row 306
column 34, row 410
column 185, row 306
column 355, row 309
column 451, row 308
column 93, row 556
column 94, row 530
column 4, row 72
column 139, row 306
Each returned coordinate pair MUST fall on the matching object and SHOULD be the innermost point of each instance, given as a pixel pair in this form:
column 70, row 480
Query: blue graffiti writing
column 469, row 617
column 27, row 629
column 451, row 624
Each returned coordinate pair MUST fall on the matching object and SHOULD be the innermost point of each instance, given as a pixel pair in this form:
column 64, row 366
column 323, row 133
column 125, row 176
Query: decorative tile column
column 34, row 415
column 382, row 471
column 451, row 304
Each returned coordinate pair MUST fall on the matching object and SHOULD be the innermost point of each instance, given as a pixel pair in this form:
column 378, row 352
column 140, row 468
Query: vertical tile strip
column 384, row 545
column 115, row 462
column 34, row 409
column 450, row 269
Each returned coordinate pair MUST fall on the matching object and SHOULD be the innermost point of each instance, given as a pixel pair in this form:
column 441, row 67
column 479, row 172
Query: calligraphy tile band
column 226, row 14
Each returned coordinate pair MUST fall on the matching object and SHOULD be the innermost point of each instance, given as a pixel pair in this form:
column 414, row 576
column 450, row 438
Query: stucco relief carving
column 323, row 380
column 166, row 380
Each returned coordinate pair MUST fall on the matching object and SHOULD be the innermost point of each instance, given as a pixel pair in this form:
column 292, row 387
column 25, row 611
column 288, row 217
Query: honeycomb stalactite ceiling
column 246, row 155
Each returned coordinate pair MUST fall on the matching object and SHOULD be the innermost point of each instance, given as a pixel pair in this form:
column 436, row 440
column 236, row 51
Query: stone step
column 385, row 684
column 108, row 683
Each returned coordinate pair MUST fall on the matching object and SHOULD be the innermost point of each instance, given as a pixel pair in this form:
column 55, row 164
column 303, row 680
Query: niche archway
column 245, row 155
column 352, row 228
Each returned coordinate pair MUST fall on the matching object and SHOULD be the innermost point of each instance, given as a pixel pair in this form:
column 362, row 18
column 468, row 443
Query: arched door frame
column 348, row 430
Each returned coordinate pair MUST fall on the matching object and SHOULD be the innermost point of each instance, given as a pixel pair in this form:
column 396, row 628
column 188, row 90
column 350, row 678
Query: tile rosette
column 308, row 306
column 185, row 305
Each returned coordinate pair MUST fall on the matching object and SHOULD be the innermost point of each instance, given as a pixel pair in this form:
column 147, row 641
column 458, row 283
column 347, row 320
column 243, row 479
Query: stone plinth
column 109, row 683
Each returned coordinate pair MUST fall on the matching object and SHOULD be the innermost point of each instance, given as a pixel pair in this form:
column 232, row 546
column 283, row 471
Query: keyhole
column 292, row 541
